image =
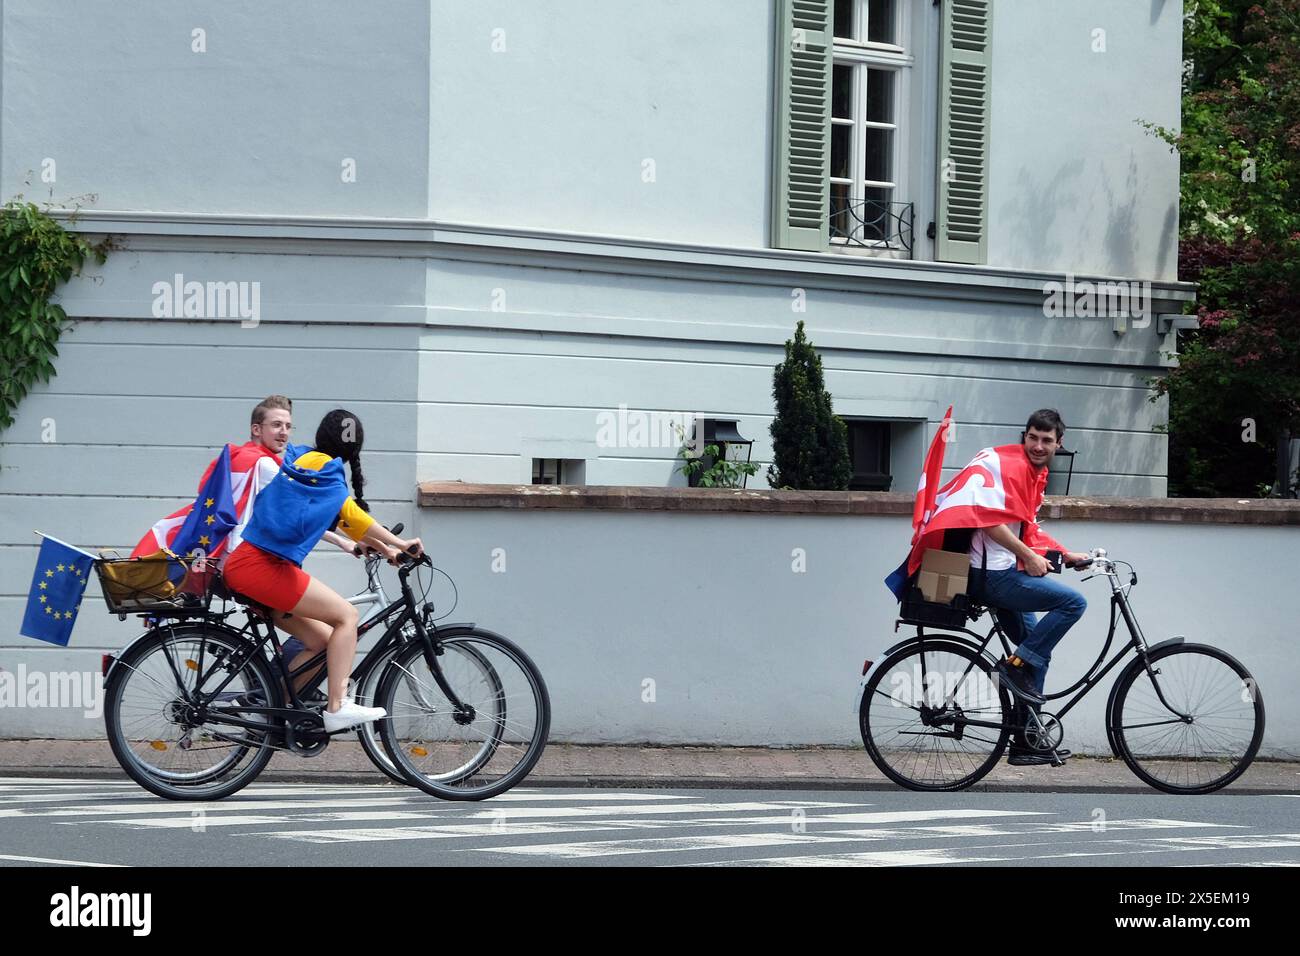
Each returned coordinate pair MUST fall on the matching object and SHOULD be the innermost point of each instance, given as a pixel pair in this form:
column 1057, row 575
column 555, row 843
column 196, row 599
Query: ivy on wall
column 37, row 255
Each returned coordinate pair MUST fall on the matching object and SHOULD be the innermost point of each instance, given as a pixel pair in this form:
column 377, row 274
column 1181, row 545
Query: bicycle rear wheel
column 491, row 741
column 153, row 725
column 934, row 716
column 1205, row 731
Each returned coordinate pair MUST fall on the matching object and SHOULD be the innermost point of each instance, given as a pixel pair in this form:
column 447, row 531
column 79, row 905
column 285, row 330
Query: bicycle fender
column 1138, row 663
column 459, row 628
column 115, row 659
column 938, row 636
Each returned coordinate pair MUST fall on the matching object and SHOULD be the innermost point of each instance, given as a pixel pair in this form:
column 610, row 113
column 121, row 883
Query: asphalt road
column 95, row 822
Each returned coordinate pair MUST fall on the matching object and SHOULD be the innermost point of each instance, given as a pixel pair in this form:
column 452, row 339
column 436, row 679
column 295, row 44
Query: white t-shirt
column 999, row 558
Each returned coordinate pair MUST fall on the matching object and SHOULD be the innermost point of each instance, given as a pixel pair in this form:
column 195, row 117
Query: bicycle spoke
column 472, row 749
column 914, row 706
column 1176, row 755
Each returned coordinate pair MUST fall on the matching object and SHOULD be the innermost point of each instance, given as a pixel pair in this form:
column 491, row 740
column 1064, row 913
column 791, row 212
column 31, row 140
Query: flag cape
column 999, row 486
column 243, row 489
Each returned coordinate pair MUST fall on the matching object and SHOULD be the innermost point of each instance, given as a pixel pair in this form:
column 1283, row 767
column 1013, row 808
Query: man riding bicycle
column 990, row 510
column 1010, row 574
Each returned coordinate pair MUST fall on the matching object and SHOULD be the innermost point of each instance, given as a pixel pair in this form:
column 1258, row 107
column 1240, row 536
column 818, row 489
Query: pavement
column 584, row 765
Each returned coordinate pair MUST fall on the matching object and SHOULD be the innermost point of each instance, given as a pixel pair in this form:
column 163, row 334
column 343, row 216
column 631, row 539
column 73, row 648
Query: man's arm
column 1035, row 564
column 1039, row 538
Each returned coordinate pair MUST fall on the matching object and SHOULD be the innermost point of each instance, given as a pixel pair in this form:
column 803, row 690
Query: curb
column 596, row 782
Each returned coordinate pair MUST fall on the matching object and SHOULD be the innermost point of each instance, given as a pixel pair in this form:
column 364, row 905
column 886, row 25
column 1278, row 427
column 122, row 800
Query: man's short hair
column 268, row 403
column 1046, row 419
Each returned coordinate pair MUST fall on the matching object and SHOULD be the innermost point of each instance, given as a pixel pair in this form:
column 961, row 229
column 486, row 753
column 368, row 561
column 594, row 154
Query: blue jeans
column 1014, row 594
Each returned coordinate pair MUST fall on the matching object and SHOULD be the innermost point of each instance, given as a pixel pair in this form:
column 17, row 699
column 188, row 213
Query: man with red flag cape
column 996, row 498
column 252, row 466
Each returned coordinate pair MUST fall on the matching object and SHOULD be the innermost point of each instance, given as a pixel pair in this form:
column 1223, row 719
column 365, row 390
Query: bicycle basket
column 158, row 582
column 917, row 610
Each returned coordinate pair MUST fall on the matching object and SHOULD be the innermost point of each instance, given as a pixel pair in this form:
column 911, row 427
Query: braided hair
column 340, row 435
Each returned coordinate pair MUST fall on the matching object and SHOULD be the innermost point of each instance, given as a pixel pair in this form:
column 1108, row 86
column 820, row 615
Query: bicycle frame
column 1119, row 608
column 408, row 612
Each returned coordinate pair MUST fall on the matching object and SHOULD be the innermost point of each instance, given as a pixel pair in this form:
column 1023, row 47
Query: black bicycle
column 196, row 707
column 1186, row 718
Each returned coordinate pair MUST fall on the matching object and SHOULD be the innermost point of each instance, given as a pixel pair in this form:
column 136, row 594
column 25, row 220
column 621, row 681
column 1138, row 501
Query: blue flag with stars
column 213, row 515
column 57, row 587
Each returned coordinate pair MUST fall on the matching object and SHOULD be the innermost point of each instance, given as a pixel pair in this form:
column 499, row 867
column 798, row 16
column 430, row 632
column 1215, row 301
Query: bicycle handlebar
column 364, row 551
column 408, row 562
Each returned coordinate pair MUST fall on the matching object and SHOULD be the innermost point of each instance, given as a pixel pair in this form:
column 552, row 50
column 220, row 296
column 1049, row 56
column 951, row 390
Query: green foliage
column 712, row 469
column 36, row 256
column 810, row 445
column 1239, row 150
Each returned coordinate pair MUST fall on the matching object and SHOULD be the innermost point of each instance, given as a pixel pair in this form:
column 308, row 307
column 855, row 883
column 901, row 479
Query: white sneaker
column 350, row 714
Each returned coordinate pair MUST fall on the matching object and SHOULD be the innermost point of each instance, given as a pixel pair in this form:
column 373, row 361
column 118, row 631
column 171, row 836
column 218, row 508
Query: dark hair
column 1046, row 419
column 340, row 435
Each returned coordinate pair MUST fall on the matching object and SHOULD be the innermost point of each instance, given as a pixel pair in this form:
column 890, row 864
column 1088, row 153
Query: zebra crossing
column 52, row 821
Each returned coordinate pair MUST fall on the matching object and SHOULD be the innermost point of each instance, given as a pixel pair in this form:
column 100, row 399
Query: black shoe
column 1017, row 681
column 1019, row 757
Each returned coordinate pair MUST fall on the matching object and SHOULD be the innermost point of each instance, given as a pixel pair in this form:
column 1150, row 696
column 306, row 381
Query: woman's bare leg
column 314, row 636
column 322, row 603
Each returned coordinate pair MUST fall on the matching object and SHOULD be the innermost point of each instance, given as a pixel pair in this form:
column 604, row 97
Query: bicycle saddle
column 223, row 590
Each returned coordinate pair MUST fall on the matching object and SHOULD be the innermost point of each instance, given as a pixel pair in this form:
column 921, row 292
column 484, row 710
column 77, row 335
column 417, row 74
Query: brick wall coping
column 455, row 494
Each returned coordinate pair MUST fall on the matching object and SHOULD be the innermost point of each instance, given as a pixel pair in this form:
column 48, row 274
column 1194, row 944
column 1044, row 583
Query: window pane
column 878, row 153
column 876, row 214
column 869, row 448
column 844, row 18
column 842, row 92
column 841, row 224
column 880, row 21
column 841, row 141
column 546, row 471
column 880, row 96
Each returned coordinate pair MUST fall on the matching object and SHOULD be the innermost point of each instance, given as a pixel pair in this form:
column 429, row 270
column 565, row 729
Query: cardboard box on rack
column 943, row 575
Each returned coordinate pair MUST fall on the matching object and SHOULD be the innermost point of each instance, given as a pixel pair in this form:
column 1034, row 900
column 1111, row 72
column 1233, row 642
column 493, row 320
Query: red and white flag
column 999, row 486
column 928, row 489
column 246, row 479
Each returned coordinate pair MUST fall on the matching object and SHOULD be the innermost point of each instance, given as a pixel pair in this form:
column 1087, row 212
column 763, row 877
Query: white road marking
column 778, row 838
column 42, row 859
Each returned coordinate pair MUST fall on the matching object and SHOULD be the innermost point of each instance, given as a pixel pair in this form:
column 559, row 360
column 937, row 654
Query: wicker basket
column 160, row 582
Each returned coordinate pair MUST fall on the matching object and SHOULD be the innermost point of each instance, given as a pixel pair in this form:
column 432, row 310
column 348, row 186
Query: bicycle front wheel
column 479, row 740
column 934, row 716
column 367, row 695
column 1191, row 725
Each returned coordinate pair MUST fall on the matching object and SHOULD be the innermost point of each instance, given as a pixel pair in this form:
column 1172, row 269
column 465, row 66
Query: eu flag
column 897, row 581
column 213, row 515
column 55, row 595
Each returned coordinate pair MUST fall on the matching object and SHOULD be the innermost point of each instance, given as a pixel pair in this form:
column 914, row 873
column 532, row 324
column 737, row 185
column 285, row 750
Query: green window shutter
column 965, row 59
column 801, row 166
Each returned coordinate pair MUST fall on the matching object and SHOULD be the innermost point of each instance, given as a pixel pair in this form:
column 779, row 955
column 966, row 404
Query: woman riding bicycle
column 308, row 497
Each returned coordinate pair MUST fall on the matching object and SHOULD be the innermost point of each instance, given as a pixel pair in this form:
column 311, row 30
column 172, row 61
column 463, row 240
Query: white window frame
column 861, row 55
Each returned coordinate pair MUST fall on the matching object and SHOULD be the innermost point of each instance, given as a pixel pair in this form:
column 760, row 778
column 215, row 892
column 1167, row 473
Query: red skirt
column 267, row 579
